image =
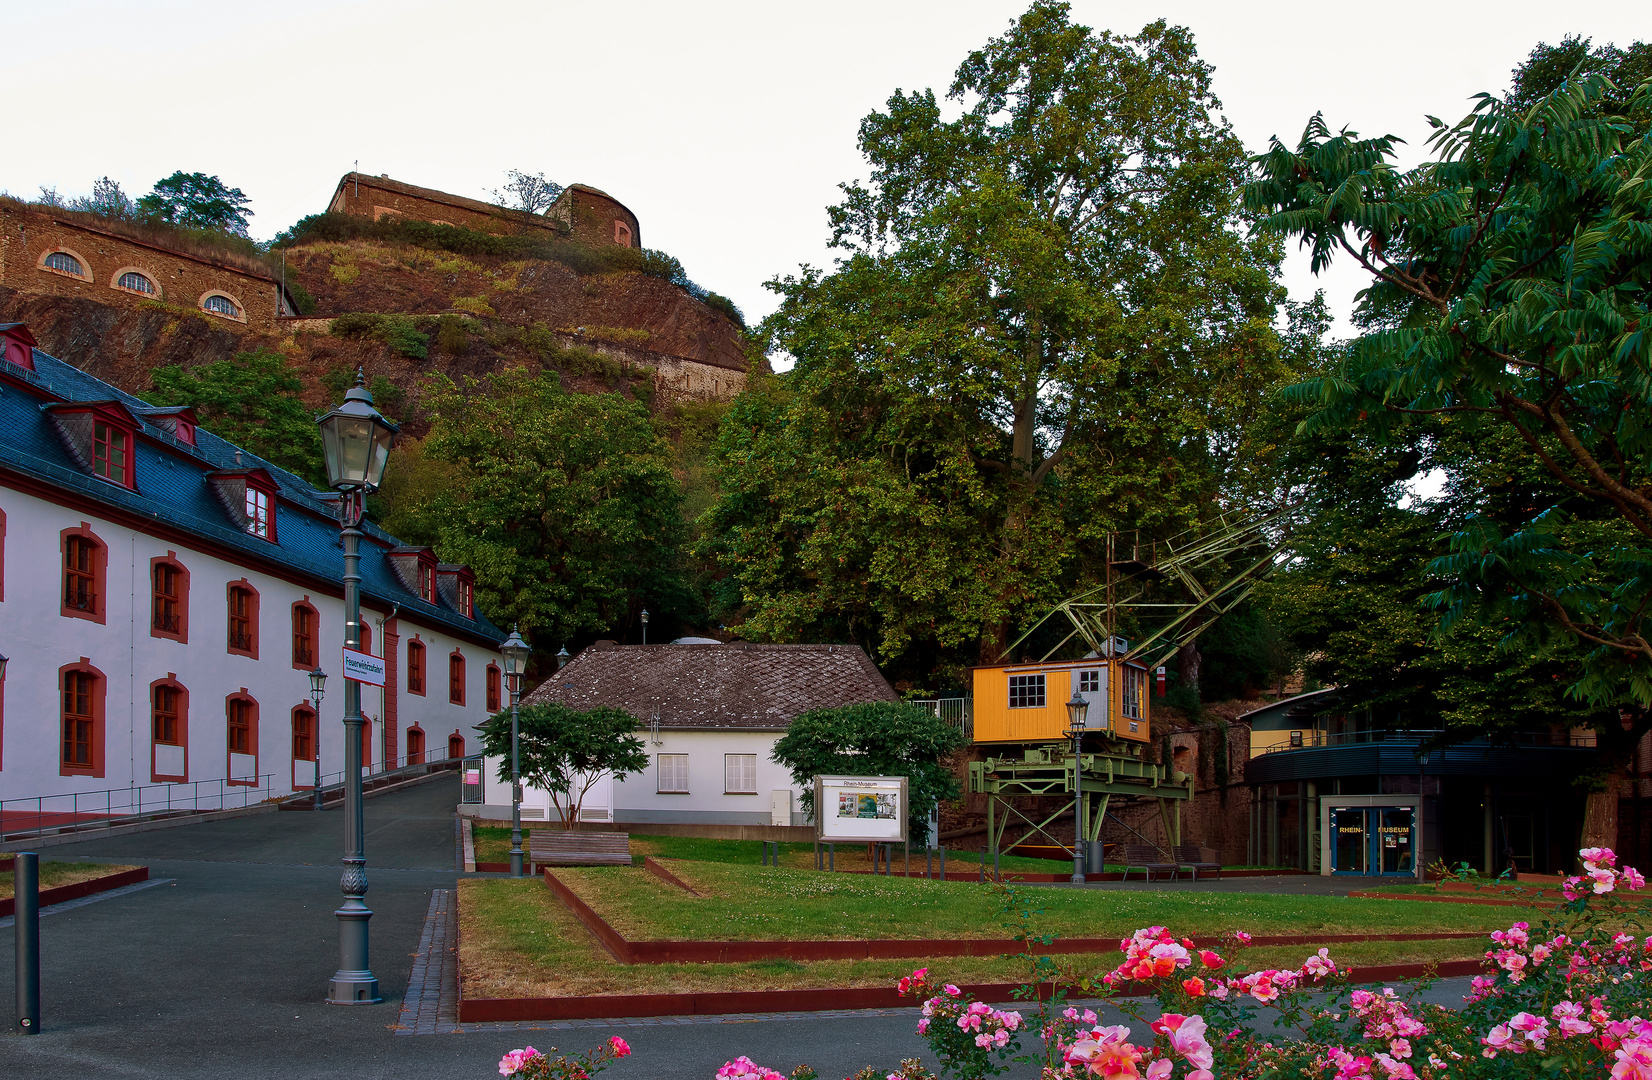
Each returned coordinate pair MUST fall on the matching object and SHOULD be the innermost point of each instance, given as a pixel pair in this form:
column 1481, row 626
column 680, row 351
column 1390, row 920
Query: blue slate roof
column 172, row 487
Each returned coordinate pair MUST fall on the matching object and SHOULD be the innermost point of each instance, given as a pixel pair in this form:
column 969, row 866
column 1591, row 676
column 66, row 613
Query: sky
column 724, row 125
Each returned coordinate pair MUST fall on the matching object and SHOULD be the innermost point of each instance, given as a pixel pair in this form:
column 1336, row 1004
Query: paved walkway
column 219, row 970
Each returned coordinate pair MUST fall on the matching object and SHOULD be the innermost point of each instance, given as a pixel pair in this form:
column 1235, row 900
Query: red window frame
column 493, row 689
column 427, row 581
column 241, row 605
column 241, row 730
column 304, row 732
column 456, row 678
column 260, row 510
column 415, row 745
column 81, row 689
column 168, row 724
column 111, row 452
column 169, row 611
column 467, row 599
column 85, row 560
column 306, row 619
column 415, row 666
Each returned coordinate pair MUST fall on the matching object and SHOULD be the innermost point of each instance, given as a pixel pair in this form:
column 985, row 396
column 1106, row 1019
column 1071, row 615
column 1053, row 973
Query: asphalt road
column 221, row 972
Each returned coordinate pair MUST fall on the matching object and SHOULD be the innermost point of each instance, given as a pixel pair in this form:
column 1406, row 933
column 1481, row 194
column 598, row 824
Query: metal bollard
column 929, row 862
column 26, row 890
column 831, row 854
column 983, row 862
column 995, row 872
column 943, row 864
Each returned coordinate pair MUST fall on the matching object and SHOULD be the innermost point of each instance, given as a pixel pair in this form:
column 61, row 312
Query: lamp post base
column 353, row 988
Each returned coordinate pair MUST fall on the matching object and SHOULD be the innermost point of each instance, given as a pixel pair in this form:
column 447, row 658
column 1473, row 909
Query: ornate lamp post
column 562, row 658
column 645, row 626
column 515, row 651
column 1076, row 708
column 356, row 442
column 318, row 690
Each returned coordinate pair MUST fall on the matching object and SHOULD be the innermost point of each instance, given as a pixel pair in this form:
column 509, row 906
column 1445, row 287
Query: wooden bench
column 1195, row 858
column 560, row 847
column 1147, row 859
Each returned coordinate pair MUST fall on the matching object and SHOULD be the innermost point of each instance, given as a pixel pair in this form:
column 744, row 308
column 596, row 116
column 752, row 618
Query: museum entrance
column 1374, row 840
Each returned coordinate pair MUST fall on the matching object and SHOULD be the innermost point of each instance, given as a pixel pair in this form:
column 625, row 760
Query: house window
column 456, row 678
column 166, row 726
column 415, row 746
column 493, row 689
column 674, row 773
column 467, row 600
column 415, row 667
column 427, row 582
column 80, row 689
column 1089, row 682
column 219, row 304
column 243, row 620
column 133, row 281
column 168, row 616
column 1135, row 683
column 1026, row 691
column 304, row 620
column 622, row 233
column 240, row 726
column 81, row 562
column 109, row 452
column 303, row 734
column 65, row 263
column 739, row 774
column 258, row 512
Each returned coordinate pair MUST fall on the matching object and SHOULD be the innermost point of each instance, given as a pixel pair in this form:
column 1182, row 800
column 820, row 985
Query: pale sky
column 724, row 125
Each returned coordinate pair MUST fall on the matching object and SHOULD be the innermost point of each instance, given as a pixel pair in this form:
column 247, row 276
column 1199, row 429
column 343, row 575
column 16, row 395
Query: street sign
column 363, row 667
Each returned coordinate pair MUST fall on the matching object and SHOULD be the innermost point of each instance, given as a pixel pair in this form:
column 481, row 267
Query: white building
column 163, row 596
column 710, row 715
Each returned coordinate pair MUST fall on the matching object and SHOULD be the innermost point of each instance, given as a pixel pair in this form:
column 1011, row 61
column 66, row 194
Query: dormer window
column 456, row 585
column 248, row 495
column 17, row 345
column 427, row 582
column 100, row 437
column 467, row 603
column 176, row 420
column 415, row 568
column 109, row 452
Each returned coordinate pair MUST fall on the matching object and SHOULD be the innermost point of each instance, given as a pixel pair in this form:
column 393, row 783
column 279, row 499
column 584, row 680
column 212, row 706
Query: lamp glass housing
column 318, row 683
column 356, row 439
column 2, row 666
column 1076, row 710
column 516, row 652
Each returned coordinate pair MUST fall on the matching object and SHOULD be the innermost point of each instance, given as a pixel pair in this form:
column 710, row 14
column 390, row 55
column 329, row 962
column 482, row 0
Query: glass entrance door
column 1373, row 840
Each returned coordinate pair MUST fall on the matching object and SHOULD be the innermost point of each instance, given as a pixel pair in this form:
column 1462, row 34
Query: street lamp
column 645, row 626
column 318, row 690
column 515, row 651
column 562, row 658
column 355, row 441
column 1076, row 709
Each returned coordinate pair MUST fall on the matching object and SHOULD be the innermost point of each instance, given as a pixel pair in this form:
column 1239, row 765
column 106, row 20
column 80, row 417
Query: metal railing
column 81, row 810
column 957, row 711
column 380, row 773
column 1318, row 739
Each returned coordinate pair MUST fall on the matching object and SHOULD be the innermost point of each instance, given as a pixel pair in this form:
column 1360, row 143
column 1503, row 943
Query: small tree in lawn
column 879, row 738
column 565, row 751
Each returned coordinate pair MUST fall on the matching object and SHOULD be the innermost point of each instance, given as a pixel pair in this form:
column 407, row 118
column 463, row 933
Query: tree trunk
column 1600, row 815
column 1187, row 665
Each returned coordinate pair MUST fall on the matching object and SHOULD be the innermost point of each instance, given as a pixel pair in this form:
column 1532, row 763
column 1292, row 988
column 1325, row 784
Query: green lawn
column 53, row 874
column 747, row 902
column 517, row 940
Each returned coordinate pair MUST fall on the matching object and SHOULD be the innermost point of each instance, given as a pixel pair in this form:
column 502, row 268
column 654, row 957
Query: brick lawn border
column 79, row 889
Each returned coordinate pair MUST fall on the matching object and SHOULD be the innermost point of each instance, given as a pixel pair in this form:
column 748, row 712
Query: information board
column 851, row 809
column 363, row 667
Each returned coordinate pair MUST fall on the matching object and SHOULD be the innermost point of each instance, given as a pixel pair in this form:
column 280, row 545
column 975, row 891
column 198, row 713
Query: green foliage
column 1242, row 652
column 879, row 738
column 388, row 398
column 727, row 307
column 400, row 332
column 530, row 193
column 565, row 751
column 1549, row 67
column 197, row 201
column 1508, row 294
column 1045, row 326
column 302, row 298
column 251, row 400
column 563, row 504
column 452, row 334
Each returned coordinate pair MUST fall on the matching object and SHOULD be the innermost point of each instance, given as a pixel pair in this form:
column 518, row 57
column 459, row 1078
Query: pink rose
column 619, row 1046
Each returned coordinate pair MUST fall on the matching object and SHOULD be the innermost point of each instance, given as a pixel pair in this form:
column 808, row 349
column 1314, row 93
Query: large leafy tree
column 1508, row 293
column 563, row 504
column 1045, row 324
column 879, row 738
column 197, row 201
column 566, row 751
column 252, row 400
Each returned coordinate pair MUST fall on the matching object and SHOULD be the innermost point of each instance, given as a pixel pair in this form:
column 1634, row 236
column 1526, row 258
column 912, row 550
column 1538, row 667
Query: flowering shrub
column 1570, row 998
column 531, row 1064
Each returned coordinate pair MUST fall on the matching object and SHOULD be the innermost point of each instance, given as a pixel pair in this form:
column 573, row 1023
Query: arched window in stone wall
column 223, row 305
column 62, row 260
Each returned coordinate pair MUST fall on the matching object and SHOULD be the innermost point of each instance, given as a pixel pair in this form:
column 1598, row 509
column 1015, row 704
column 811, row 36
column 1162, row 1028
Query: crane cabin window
column 1135, row 686
column 1027, row 691
column 1089, row 682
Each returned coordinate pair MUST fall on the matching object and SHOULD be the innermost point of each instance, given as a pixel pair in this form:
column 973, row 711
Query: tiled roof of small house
column 741, row 686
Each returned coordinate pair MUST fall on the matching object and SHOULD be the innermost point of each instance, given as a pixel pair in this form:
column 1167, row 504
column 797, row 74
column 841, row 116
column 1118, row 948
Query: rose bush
column 531, row 1064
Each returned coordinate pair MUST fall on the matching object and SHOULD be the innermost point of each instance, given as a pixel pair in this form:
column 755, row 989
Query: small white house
column 710, row 714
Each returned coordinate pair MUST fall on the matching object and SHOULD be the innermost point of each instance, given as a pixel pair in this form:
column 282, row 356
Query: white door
column 1092, row 687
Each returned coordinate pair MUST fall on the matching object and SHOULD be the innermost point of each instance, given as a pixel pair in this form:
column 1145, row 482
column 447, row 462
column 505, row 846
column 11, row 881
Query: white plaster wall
column 637, row 799
column 39, row 641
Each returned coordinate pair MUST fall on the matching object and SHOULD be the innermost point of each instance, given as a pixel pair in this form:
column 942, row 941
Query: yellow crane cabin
column 1027, row 703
